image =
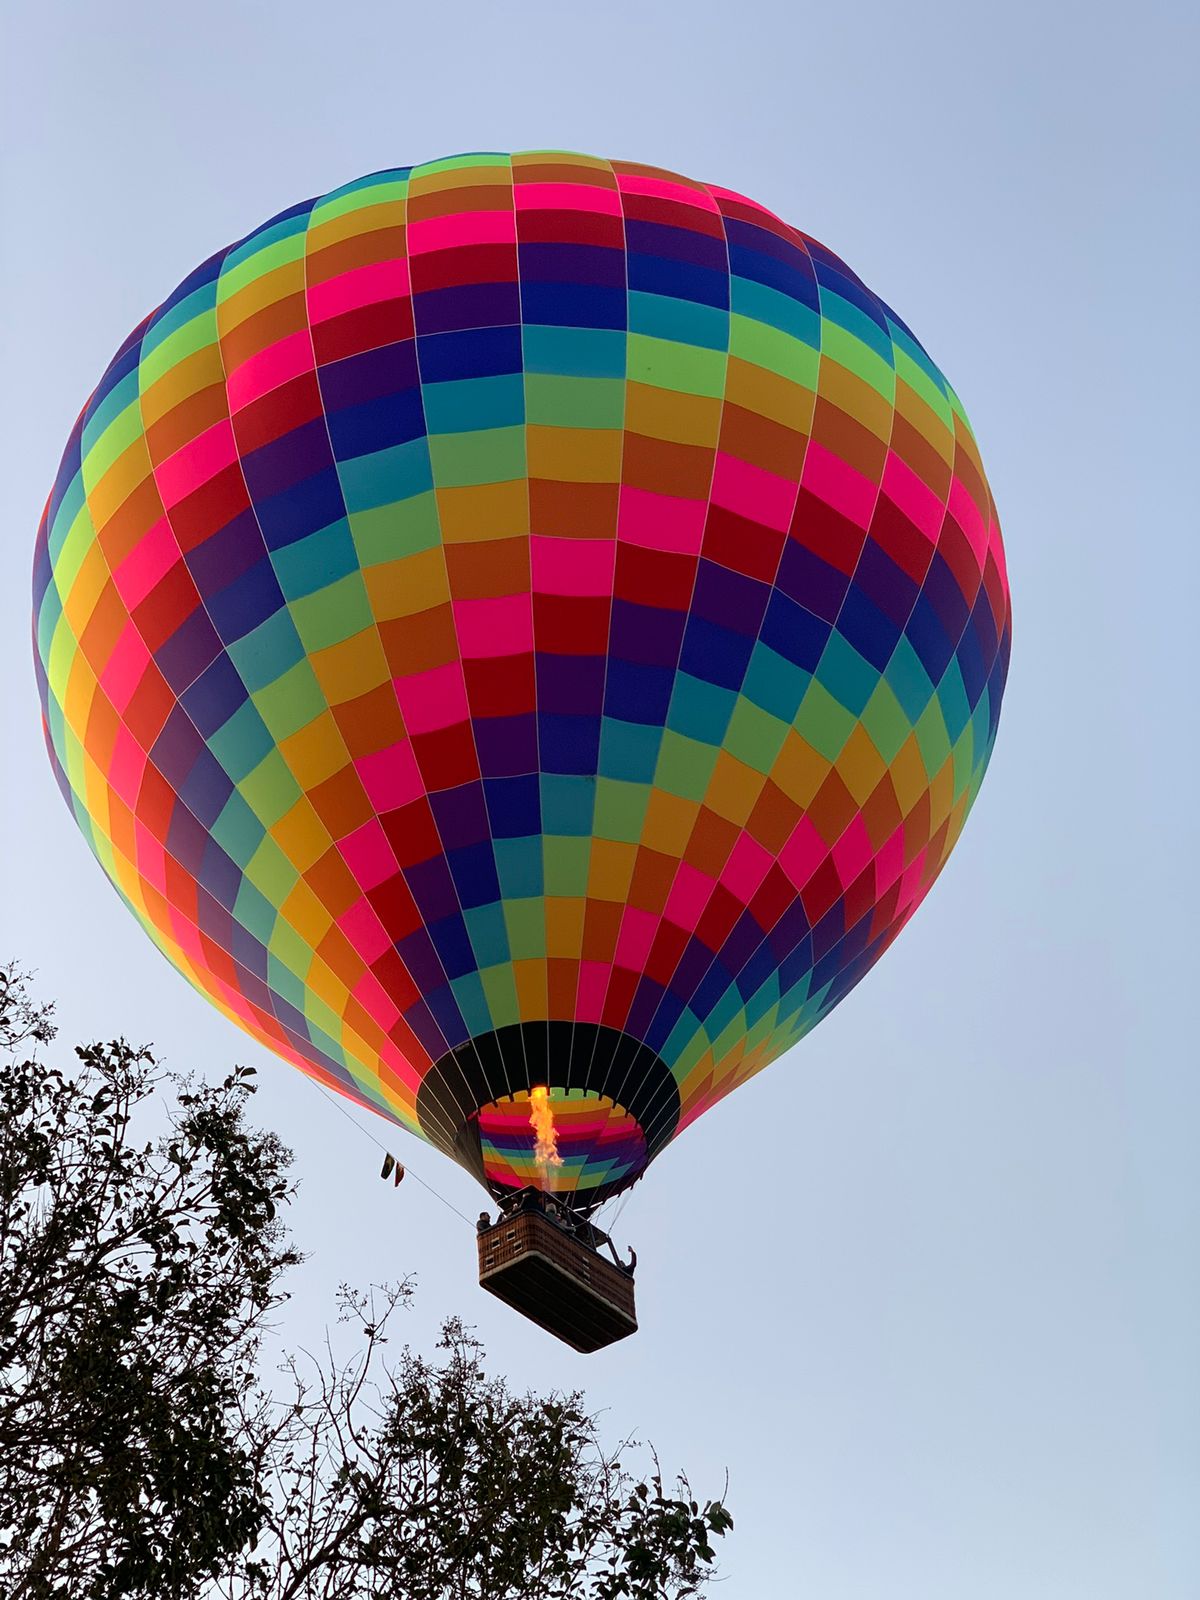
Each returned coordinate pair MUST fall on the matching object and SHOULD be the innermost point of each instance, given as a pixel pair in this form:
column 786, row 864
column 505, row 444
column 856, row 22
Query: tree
column 135, row 1274
column 143, row 1451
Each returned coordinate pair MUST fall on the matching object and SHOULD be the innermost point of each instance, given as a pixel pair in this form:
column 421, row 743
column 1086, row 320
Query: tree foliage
column 144, row 1452
column 135, row 1273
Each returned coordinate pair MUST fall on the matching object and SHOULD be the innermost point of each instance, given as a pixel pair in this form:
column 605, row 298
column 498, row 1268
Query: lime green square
column 620, row 810
column 886, row 723
column 565, row 402
column 774, row 350
column 565, row 861
column 525, row 921
column 400, row 528
column 336, row 612
column 292, row 701
column 500, row 989
column 755, row 736
column 270, row 790
column 932, row 739
column 822, row 722
column 289, row 948
column 491, row 455
column 685, row 368
column 685, row 765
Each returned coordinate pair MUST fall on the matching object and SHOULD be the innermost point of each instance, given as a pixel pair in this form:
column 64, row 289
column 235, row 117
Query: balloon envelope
column 523, row 621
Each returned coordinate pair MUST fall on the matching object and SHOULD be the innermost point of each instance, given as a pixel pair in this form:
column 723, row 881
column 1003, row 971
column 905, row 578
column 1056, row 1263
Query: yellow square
column 564, row 926
column 909, row 779
column 669, row 414
column 610, row 869
column 575, row 455
column 305, row 914
column 530, row 979
column 777, row 398
column 352, row 667
column 668, row 823
column 860, row 766
column 733, row 789
column 799, row 770
column 316, row 752
column 302, row 837
column 484, row 511
column 403, row 588
column 131, row 468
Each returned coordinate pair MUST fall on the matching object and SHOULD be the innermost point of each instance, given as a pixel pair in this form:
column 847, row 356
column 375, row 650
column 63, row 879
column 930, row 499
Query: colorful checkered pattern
column 600, row 1146
column 523, row 619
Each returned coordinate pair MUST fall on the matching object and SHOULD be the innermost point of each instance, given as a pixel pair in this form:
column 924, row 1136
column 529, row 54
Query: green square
column 463, row 460
column 292, row 701
column 526, row 924
column 886, row 722
column 566, row 865
column 932, row 739
column 685, row 766
column 501, row 990
column 336, row 612
column 567, row 402
column 289, row 948
column 620, row 810
column 395, row 530
column 271, row 789
column 755, row 736
column 822, row 722
column 774, row 350
column 685, row 368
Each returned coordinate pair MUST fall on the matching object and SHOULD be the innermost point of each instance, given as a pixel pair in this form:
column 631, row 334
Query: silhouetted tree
column 142, row 1452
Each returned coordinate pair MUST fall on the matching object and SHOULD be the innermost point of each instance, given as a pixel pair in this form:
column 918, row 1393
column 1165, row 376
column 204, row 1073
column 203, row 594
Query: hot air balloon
column 523, row 633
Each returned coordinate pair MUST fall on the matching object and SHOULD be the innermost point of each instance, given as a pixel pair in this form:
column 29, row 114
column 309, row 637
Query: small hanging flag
column 399, row 1178
column 389, row 1161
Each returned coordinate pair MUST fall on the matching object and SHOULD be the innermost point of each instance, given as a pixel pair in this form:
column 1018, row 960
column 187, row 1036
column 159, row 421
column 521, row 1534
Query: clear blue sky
column 946, row 1343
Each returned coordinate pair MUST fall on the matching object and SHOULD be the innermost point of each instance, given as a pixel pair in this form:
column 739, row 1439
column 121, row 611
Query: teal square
column 628, row 750
column 568, row 803
column 700, row 710
column 519, row 866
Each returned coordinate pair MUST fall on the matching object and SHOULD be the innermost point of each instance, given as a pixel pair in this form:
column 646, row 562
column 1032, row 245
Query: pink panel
column 193, row 465
column 661, row 521
column 746, row 868
column 753, row 492
column 432, row 700
column 664, row 189
column 565, row 197
column 501, row 626
column 915, row 498
column 467, row 227
column 269, row 368
column 125, row 668
column 803, row 853
column 689, row 895
column 839, row 485
column 361, row 925
column 390, row 777
column 155, row 553
column 366, row 851
column 365, row 286
column 573, row 566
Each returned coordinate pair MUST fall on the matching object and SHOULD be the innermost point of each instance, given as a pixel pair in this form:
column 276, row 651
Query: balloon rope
column 367, row 1134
